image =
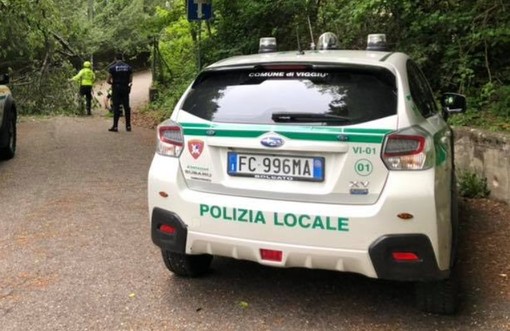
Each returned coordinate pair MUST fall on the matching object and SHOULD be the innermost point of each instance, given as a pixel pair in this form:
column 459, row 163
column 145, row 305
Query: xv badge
column 359, row 187
column 195, row 148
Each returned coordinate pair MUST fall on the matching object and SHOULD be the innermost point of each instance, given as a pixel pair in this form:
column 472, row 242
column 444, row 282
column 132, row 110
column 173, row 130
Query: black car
column 8, row 117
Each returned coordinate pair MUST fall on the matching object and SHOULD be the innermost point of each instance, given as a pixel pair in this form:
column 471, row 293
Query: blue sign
column 199, row 10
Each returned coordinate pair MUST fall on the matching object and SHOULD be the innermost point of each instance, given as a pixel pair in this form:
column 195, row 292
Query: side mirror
column 4, row 79
column 453, row 103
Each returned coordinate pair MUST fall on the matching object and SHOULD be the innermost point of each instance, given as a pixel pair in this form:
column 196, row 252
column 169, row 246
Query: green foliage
column 121, row 26
column 469, row 117
column 175, row 56
column 177, row 47
column 472, row 185
column 235, row 30
column 500, row 102
column 165, row 103
column 486, row 93
column 488, row 110
column 44, row 42
column 52, row 95
column 460, row 45
column 239, row 24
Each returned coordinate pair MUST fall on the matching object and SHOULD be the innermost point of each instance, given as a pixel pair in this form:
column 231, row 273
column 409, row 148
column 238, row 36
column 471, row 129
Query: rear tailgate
column 297, row 132
column 337, row 165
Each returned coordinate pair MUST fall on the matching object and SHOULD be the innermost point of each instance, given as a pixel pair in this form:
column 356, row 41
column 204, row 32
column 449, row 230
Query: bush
column 472, row 185
column 500, row 105
column 489, row 110
column 49, row 94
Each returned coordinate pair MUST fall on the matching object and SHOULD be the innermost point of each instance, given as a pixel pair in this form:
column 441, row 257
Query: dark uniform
column 121, row 75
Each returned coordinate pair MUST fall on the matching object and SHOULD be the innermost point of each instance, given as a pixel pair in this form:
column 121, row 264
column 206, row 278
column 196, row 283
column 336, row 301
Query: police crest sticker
column 195, row 148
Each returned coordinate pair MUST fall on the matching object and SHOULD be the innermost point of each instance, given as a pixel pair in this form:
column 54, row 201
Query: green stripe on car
column 310, row 133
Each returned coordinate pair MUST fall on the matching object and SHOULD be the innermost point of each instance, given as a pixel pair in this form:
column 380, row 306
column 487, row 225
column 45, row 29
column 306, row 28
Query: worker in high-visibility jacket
column 86, row 78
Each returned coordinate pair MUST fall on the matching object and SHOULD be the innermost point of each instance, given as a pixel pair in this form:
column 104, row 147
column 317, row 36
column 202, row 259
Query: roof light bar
column 267, row 45
column 328, row 40
column 377, row 42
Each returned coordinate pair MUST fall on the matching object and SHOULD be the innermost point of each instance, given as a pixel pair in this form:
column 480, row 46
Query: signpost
column 198, row 11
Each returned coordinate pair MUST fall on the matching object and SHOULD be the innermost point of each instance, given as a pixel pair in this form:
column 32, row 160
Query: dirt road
column 76, row 254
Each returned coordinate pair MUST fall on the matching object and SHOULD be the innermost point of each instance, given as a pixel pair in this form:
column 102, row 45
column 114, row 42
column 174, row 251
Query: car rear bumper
column 376, row 262
column 424, row 268
column 342, row 237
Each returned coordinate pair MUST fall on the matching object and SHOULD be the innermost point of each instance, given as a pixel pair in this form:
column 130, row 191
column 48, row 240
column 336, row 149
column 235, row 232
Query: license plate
column 276, row 167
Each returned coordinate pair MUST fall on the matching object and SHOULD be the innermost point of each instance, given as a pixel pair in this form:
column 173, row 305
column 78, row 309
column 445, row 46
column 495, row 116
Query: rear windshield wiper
column 307, row 118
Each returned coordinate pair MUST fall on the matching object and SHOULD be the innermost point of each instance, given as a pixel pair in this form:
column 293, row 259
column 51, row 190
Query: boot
column 114, row 128
column 88, row 106
column 128, row 120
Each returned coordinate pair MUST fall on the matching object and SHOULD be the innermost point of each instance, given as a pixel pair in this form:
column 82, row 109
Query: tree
column 40, row 39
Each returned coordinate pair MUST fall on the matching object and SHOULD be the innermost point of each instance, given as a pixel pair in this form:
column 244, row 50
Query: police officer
column 86, row 78
column 120, row 77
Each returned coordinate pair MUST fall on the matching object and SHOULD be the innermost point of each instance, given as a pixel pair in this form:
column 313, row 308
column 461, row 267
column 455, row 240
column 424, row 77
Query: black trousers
column 120, row 96
column 87, row 92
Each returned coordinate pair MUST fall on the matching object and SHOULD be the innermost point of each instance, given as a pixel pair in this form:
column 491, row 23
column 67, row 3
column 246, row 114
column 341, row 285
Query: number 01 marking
column 363, row 167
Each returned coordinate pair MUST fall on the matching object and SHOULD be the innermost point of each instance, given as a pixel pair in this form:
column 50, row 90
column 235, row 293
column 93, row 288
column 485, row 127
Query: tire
column 438, row 297
column 442, row 296
column 455, row 224
column 185, row 265
column 9, row 150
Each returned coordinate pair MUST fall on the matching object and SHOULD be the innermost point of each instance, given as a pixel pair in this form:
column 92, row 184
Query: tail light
column 410, row 149
column 167, row 229
column 170, row 139
column 405, row 257
column 271, row 255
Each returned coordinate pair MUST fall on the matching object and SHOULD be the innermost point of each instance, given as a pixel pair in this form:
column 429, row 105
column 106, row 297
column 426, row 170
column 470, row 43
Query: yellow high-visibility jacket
column 85, row 77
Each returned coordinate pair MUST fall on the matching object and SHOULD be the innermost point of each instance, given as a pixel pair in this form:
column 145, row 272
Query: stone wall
column 486, row 154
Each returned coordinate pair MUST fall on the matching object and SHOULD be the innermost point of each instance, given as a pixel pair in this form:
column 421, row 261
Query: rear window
column 341, row 97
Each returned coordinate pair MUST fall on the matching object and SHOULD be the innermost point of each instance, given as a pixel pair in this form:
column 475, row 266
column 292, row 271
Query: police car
column 8, row 117
column 322, row 159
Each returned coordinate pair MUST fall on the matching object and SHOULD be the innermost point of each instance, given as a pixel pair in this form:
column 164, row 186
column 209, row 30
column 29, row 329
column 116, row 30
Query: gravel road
column 76, row 254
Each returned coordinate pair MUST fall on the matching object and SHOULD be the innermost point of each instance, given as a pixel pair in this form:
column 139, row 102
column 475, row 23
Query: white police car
column 323, row 159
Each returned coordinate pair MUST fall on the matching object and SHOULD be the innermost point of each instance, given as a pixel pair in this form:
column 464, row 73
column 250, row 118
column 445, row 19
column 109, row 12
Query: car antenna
column 312, row 44
column 300, row 51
